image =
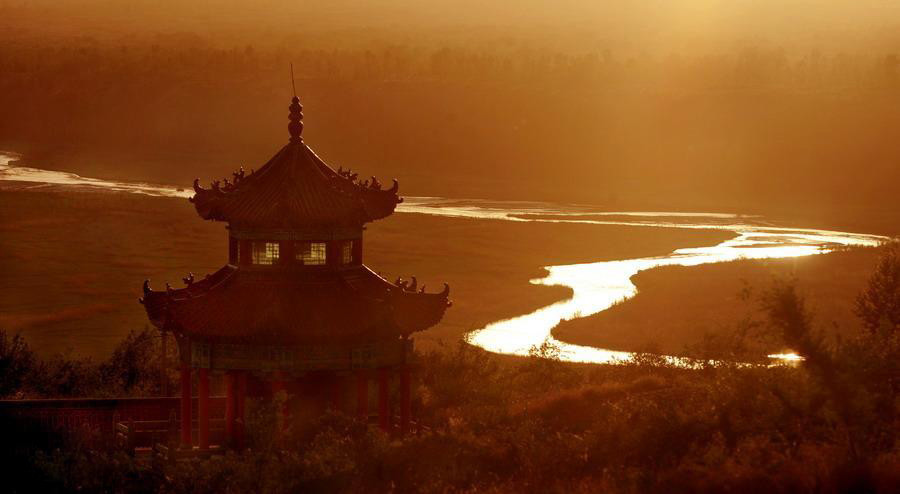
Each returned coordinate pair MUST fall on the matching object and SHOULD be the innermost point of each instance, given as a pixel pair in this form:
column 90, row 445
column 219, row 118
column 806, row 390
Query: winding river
column 596, row 286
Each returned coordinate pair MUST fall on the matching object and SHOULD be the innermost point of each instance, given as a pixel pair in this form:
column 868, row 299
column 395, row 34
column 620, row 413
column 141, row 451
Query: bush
column 879, row 305
column 132, row 369
column 501, row 424
column 17, row 363
column 64, row 377
column 134, row 366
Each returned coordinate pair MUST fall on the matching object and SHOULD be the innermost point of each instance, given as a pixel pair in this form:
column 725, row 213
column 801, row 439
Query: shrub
column 17, row 363
column 134, row 366
column 65, row 376
column 879, row 305
column 500, row 424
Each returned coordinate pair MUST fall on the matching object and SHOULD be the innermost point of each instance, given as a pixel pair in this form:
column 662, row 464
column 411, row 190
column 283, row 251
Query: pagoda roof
column 295, row 189
column 270, row 306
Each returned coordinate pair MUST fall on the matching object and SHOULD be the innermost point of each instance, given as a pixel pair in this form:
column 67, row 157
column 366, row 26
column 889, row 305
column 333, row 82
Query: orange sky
column 641, row 24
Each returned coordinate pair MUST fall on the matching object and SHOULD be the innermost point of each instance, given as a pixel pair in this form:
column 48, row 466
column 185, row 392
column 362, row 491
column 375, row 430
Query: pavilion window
column 347, row 252
column 234, row 250
column 265, row 253
column 310, row 253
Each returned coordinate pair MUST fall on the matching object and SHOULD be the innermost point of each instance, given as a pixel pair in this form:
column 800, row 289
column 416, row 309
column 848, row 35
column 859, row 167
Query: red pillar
column 337, row 393
column 185, row 405
column 203, row 407
column 384, row 419
column 278, row 385
column 240, row 402
column 230, row 407
column 405, row 399
column 163, row 370
column 362, row 394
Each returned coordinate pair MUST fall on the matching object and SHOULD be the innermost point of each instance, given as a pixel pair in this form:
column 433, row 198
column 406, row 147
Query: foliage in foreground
column 133, row 369
column 536, row 424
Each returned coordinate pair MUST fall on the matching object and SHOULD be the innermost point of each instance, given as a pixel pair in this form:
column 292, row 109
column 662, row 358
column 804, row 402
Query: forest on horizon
column 626, row 107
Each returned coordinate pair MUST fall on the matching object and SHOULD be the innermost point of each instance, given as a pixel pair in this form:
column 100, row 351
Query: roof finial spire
column 295, row 128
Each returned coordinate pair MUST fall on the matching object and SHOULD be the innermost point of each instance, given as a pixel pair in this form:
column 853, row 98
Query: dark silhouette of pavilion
column 295, row 308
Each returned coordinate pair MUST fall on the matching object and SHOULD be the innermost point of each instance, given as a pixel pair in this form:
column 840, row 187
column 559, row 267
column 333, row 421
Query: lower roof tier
column 264, row 307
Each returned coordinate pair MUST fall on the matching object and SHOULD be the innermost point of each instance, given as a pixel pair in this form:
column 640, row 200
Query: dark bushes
column 879, row 305
column 133, row 369
column 17, row 363
column 498, row 424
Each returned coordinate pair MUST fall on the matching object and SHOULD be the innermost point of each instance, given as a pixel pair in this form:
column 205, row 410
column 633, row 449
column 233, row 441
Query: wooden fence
column 57, row 418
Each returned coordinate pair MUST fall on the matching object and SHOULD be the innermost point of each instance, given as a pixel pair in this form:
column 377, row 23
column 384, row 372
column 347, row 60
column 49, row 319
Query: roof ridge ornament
column 295, row 127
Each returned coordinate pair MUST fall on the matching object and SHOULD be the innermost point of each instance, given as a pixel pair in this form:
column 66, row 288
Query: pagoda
column 294, row 309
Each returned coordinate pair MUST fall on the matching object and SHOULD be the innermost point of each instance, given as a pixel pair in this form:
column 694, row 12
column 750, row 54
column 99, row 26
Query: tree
column 879, row 304
column 134, row 364
column 16, row 363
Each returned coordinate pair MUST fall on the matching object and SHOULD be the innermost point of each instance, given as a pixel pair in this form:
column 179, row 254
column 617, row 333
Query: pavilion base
column 373, row 378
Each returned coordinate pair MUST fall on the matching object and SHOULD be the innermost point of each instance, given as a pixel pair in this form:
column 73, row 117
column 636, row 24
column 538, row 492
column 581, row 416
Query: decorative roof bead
column 295, row 127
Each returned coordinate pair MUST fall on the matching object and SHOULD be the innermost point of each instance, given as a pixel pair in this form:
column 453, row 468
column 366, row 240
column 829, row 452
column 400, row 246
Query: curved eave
column 412, row 309
column 336, row 307
column 377, row 202
column 158, row 303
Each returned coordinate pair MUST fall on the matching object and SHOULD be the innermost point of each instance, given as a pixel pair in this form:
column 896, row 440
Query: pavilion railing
column 54, row 420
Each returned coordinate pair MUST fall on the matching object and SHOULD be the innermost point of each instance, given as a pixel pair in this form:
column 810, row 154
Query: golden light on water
column 600, row 285
column 595, row 286
column 43, row 178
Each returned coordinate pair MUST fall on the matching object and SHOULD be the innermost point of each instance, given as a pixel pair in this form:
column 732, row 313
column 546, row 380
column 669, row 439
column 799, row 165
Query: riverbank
column 83, row 298
column 677, row 307
column 596, row 285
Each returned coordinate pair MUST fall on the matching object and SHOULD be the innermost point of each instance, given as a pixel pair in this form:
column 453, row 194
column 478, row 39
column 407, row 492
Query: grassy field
column 73, row 262
column 677, row 305
column 72, row 265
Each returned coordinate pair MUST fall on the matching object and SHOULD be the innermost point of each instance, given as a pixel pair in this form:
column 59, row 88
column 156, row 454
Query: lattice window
column 265, row 253
column 310, row 253
column 347, row 252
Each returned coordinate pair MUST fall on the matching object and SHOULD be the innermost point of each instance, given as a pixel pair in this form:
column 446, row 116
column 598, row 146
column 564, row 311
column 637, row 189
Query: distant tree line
column 737, row 128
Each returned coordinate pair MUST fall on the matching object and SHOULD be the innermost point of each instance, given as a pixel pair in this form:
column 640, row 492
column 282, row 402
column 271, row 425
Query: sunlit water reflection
column 595, row 286
column 598, row 286
column 49, row 178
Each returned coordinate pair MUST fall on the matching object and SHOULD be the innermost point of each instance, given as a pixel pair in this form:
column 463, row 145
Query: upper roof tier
column 295, row 189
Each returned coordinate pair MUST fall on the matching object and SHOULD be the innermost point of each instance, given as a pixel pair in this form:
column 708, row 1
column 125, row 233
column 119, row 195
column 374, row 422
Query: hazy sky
column 737, row 98
column 642, row 24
